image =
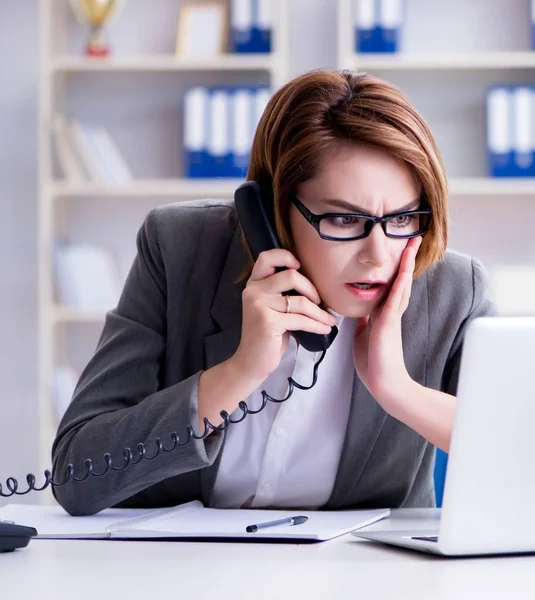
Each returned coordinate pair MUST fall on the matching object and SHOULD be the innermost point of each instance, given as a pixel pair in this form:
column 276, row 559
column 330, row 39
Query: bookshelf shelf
column 454, row 61
column 487, row 186
column 189, row 189
column 157, row 188
column 226, row 62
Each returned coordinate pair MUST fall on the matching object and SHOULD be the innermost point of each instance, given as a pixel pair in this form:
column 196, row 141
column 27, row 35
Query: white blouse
column 287, row 455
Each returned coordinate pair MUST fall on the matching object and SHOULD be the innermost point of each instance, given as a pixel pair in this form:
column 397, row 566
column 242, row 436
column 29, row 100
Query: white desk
column 338, row 569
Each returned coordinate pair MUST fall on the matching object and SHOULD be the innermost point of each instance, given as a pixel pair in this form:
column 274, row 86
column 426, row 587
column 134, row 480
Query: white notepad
column 188, row 521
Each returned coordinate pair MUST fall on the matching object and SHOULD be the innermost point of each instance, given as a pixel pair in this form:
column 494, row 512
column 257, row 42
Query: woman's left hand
column 377, row 347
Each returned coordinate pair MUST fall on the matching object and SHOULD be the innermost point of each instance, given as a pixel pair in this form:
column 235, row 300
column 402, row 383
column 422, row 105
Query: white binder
column 390, row 21
column 81, row 141
column 522, row 131
column 110, row 155
column 263, row 25
column 241, row 24
column 69, row 164
column 218, row 134
column 261, row 99
column 532, row 89
column 242, row 125
column 195, row 131
column 499, row 131
column 365, row 21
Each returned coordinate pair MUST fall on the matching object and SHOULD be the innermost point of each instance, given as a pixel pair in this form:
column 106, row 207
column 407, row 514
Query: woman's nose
column 374, row 248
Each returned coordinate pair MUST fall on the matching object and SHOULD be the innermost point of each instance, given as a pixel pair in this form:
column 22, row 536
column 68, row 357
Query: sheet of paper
column 227, row 523
column 54, row 520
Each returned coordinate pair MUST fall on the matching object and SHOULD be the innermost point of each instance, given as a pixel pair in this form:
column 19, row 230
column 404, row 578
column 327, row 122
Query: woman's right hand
column 265, row 323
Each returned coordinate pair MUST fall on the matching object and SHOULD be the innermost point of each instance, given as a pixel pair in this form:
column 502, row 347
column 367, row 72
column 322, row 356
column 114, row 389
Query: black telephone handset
column 255, row 212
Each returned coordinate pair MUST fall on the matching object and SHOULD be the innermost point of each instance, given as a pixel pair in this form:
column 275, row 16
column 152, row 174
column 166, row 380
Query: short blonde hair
column 318, row 110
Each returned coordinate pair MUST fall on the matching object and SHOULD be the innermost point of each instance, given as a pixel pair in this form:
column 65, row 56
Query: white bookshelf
column 67, row 78
column 451, row 53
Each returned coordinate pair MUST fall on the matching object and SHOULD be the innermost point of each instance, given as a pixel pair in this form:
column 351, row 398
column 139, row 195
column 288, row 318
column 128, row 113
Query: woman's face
column 354, row 179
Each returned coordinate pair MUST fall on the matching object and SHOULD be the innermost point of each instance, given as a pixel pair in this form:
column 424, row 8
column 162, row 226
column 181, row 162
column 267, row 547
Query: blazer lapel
column 366, row 416
column 227, row 306
column 366, row 419
column 227, row 313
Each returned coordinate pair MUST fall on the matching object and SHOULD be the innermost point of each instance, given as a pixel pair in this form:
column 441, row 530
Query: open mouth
column 366, row 286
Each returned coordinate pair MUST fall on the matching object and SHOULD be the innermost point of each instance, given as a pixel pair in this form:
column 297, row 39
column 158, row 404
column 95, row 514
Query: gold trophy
column 96, row 14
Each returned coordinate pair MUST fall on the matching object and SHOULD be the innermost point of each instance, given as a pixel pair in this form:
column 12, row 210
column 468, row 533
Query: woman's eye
column 345, row 221
column 403, row 220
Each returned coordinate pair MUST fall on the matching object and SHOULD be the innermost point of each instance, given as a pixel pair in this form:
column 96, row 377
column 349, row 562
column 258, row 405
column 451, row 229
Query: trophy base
column 97, row 52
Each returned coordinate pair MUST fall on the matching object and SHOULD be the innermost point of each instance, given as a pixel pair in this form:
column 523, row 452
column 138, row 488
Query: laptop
column 489, row 493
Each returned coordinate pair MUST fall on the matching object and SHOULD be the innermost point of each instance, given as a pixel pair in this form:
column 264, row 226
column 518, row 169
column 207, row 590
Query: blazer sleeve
column 481, row 306
column 118, row 402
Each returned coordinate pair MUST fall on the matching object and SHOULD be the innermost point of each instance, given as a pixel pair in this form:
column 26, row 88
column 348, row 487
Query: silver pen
column 297, row 520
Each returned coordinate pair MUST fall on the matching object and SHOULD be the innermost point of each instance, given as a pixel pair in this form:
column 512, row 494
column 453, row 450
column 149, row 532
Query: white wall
column 18, row 268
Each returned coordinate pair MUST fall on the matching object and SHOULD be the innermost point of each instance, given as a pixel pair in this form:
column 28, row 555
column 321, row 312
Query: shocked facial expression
column 353, row 276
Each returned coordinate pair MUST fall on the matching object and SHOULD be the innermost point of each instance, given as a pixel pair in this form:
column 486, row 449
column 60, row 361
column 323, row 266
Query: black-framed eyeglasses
column 345, row 227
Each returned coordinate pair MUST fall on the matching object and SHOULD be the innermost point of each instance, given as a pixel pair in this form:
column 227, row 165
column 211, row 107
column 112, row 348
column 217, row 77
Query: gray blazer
column 179, row 314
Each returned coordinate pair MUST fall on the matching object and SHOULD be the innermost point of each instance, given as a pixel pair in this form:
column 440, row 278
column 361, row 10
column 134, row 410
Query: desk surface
column 345, row 567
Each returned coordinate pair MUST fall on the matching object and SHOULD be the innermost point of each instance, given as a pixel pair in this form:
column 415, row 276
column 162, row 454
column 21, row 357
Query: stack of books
column 87, row 153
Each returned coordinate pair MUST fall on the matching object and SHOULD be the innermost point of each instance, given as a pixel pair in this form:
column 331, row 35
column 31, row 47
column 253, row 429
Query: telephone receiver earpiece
column 254, row 206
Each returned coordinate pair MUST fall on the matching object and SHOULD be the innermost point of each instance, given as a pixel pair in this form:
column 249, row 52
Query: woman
column 191, row 338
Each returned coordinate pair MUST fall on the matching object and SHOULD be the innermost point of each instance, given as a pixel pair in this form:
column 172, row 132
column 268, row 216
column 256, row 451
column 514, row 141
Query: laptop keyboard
column 426, row 538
